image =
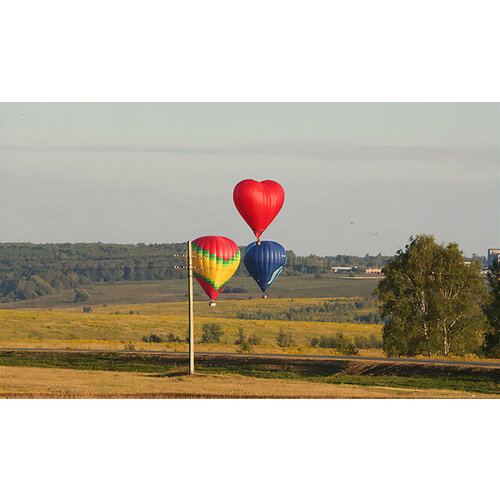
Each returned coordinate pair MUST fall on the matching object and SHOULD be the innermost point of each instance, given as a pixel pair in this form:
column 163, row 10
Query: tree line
column 332, row 310
column 29, row 270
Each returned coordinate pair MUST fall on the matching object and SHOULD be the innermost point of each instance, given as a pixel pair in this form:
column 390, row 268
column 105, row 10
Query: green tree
column 243, row 341
column 81, row 296
column 240, row 337
column 431, row 300
column 285, row 339
column 212, row 333
column 492, row 311
column 254, row 339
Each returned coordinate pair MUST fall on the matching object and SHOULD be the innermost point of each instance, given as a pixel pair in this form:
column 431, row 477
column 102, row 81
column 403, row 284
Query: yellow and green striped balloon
column 215, row 259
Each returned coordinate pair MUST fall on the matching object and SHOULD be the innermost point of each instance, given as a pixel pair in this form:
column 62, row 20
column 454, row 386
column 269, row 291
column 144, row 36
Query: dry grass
column 52, row 382
column 102, row 329
column 161, row 319
column 115, row 345
column 226, row 308
column 135, row 292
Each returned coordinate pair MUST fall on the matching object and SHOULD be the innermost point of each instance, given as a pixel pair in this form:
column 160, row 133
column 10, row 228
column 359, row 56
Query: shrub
column 128, row 345
column 371, row 342
column 153, row 338
column 240, row 337
column 245, row 342
column 212, row 333
column 254, row 339
column 81, row 296
column 245, row 346
column 325, row 342
column 285, row 340
column 173, row 338
column 375, row 342
column 314, row 342
column 340, row 343
column 350, row 349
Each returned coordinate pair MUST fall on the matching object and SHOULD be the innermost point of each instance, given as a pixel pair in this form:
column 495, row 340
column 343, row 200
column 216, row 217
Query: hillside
column 28, row 270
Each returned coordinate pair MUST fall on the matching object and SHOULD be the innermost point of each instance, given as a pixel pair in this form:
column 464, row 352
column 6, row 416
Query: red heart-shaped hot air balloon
column 258, row 203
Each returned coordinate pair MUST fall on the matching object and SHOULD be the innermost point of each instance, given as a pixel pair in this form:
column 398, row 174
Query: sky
column 358, row 177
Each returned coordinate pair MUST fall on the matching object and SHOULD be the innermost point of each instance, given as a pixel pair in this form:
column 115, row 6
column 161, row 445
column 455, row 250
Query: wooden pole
column 190, row 295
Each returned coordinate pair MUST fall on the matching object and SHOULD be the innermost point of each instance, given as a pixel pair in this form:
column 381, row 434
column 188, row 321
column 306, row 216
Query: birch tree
column 431, row 301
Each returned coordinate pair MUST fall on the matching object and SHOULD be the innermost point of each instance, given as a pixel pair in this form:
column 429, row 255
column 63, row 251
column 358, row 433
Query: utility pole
column 190, row 300
column 188, row 256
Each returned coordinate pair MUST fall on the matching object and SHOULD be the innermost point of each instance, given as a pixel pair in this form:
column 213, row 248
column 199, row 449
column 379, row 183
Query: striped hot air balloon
column 214, row 260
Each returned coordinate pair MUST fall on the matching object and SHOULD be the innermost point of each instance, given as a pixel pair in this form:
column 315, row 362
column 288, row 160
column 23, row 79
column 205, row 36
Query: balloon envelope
column 214, row 260
column 258, row 203
column 264, row 262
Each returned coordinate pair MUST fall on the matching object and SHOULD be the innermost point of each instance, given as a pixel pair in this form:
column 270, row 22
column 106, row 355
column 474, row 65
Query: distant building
column 343, row 269
column 493, row 254
column 374, row 270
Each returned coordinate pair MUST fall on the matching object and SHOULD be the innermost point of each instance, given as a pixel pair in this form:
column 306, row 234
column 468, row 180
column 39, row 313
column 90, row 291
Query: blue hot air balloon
column 264, row 261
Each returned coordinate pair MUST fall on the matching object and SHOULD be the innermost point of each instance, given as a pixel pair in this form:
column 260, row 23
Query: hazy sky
column 166, row 172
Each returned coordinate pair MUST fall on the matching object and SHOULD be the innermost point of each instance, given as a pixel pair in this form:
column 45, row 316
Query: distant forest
column 29, row 270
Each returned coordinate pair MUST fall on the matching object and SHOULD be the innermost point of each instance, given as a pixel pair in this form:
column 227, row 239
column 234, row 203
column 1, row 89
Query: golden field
column 226, row 308
column 31, row 382
column 70, row 326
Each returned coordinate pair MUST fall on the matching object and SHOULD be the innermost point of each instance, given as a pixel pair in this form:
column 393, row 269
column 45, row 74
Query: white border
column 433, row 50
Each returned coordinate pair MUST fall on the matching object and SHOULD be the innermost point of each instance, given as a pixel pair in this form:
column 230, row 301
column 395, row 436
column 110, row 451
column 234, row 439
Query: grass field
column 137, row 292
column 123, row 313
column 65, row 329
column 226, row 307
column 69, row 327
column 160, row 308
column 64, row 383
column 70, row 374
column 108, row 327
column 57, row 322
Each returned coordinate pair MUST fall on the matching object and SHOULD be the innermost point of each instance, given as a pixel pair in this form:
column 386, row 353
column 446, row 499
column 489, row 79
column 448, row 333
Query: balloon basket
column 264, row 295
column 212, row 303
